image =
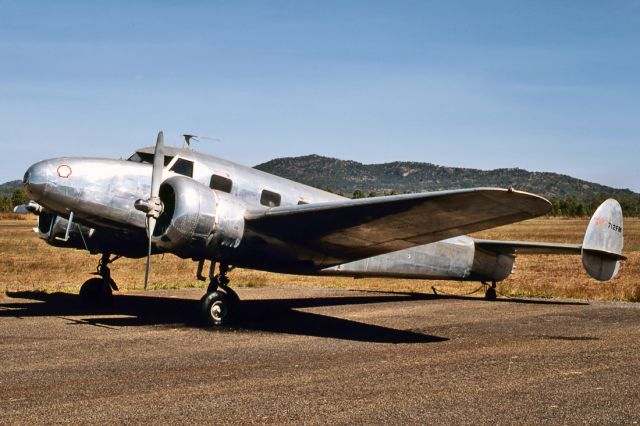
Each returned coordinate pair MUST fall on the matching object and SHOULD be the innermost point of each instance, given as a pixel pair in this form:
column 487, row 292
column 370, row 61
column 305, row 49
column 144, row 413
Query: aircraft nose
column 35, row 180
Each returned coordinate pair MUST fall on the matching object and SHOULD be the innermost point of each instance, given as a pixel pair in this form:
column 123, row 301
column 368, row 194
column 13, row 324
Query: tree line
column 571, row 206
column 7, row 203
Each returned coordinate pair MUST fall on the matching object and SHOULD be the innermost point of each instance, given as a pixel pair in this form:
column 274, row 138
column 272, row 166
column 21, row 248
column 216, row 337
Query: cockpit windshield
column 145, row 157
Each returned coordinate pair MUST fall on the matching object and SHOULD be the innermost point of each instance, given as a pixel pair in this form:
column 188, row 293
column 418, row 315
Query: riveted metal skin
column 188, row 217
column 99, row 191
column 453, row 258
column 198, row 222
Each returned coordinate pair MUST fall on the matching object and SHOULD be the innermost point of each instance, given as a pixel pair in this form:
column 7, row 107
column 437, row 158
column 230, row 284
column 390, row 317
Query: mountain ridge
column 7, row 188
column 347, row 176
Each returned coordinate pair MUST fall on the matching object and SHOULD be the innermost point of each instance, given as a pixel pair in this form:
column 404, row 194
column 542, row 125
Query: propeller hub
column 152, row 207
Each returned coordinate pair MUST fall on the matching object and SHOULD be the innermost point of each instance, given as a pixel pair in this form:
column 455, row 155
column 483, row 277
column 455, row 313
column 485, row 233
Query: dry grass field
column 28, row 263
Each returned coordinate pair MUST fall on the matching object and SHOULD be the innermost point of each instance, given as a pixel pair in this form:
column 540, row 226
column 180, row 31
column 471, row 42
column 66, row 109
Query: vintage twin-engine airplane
column 208, row 209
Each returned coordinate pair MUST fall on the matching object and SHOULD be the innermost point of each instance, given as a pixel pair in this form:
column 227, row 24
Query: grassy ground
column 28, row 263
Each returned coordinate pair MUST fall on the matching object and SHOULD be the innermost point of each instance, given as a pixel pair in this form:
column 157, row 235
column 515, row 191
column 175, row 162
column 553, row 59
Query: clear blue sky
column 541, row 85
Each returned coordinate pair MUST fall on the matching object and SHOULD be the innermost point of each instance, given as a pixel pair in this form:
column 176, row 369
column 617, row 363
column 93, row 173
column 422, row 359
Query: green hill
column 346, row 177
column 8, row 188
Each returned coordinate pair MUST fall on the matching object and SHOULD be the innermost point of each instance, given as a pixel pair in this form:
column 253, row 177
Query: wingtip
column 533, row 204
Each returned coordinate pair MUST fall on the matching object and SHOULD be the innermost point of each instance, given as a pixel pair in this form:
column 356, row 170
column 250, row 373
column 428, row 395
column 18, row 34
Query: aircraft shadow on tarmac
column 268, row 315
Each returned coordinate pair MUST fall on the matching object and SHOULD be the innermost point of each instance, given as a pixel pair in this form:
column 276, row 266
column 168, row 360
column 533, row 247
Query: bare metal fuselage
column 100, row 195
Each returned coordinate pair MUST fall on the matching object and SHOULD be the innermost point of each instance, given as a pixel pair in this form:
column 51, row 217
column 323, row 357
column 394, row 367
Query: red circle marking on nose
column 64, row 171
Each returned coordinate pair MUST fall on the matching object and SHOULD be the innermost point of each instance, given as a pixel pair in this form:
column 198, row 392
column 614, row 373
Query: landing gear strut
column 490, row 290
column 99, row 290
column 220, row 301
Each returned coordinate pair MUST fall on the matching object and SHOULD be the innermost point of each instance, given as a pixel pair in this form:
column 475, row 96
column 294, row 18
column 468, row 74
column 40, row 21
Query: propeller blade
column 158, row 165
column 151, row 224
column 154, row 201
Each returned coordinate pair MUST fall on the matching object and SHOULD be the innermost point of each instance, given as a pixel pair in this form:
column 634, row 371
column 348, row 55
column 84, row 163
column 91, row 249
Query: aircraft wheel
column 96, row 291
column 491, row 294
column 216, row 308
column 233, row 297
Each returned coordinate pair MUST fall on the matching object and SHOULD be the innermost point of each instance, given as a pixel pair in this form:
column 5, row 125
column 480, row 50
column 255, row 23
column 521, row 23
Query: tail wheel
column 490, row 292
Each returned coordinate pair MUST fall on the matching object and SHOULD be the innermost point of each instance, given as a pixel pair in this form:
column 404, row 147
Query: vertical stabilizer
column 603, row 241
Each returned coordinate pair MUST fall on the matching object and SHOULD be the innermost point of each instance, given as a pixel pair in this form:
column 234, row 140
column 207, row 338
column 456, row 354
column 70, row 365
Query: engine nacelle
column 197, row 221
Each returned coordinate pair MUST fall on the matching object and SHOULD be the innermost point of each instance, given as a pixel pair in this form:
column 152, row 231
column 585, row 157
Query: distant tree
column 630, row 205
column 555, row 207
column 5, row 204
column 19, row 197
column 373, row 194
column 358, row 194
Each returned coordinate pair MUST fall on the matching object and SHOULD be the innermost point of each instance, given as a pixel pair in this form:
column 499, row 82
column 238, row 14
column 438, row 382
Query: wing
column 337, row 232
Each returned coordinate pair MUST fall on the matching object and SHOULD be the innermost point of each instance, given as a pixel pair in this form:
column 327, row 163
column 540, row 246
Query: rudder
column 603, row 241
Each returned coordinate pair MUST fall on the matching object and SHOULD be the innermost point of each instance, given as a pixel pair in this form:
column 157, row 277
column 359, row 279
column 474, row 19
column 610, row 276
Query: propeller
column 152, row 206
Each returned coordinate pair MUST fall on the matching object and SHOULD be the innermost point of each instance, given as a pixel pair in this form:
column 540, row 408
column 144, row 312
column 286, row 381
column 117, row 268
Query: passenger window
column 270, row 199
column 183, row 167
column 220, row 183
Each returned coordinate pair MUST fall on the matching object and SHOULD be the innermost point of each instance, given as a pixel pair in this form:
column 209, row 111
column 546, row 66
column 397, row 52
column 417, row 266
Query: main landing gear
column 98, row 291
column 218, row 305
column 490, row 290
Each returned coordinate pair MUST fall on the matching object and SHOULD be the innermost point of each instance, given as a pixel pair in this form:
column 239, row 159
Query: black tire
column 216, row 309
column 96, row 292
column 491, row 294
column 232, row 296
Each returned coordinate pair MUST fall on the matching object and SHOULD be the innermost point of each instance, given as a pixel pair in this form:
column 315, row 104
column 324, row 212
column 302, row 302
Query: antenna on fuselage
column 187, row 140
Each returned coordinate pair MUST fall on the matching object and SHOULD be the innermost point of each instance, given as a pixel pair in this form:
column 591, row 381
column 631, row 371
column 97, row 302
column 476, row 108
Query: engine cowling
column 197, row 221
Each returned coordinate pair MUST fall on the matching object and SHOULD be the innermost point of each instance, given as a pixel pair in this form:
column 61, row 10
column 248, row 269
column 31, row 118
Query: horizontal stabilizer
column 601, row 249
column 526, row 247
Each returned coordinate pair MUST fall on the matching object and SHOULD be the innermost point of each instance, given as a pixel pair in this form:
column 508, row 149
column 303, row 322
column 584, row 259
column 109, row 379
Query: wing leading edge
column 348, row 230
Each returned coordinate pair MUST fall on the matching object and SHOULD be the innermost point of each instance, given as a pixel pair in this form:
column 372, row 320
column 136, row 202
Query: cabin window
column 270, row 199
column 145, row 157
column 183, row 167
column 220, row 183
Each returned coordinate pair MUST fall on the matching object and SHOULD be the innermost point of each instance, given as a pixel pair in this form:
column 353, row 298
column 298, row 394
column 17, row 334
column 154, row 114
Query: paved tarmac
column 318, row 356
